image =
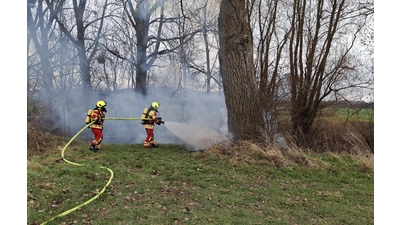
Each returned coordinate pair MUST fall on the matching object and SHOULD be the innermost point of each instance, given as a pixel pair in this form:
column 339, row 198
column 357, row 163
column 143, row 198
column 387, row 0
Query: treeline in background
column 287, row 73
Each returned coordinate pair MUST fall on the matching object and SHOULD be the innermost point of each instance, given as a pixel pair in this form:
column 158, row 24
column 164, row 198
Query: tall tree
column 86, row 52
column 197, row 59
column 323, row 35
column 270, row 43
column 41, row 16
column 139, row 16
column 245, row 122
column 142, row 17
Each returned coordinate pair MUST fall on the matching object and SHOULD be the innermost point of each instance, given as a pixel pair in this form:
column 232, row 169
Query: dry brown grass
column 335, row 136
column 261, row 154
column 39, row 142
column 36, row 141
column 247, row 152
column 360, row 151
column 365, row 162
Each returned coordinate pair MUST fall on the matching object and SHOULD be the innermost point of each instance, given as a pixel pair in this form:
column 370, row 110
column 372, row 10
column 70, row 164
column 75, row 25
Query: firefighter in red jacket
column 98, row 115
column 151, row 115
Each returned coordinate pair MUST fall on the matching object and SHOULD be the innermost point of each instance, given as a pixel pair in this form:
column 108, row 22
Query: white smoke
column 197, row 136
column 198, row 112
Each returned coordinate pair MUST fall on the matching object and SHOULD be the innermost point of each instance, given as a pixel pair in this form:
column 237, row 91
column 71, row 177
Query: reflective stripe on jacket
column 97, row 116
column 153, row 116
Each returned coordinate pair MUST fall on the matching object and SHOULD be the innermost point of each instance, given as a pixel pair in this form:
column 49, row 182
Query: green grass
column 350, row 114
column 170, row 185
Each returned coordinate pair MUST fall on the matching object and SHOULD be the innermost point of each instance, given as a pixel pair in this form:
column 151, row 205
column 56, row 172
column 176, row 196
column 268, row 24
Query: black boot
column 92, row 148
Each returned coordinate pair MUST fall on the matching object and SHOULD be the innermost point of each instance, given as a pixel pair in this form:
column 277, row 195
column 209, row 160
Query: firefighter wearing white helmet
column 153, row 118
column 98, row 116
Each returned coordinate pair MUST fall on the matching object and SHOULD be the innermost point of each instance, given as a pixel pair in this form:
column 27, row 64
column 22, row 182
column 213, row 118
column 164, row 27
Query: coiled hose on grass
column 78, row 164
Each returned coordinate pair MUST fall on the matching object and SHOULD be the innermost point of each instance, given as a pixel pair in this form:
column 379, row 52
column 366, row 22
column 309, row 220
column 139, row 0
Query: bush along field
column 225, row 184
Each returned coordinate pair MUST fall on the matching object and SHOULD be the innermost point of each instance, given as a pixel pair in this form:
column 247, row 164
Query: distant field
column 350, row 114
column 338, row 114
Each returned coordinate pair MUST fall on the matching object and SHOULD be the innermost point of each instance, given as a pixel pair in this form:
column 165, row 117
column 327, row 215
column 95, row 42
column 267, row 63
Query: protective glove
column 159, row 122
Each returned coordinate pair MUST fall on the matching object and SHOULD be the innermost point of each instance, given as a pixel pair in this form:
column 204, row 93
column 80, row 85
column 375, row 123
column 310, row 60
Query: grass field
column 170, row 185
column 350, row 114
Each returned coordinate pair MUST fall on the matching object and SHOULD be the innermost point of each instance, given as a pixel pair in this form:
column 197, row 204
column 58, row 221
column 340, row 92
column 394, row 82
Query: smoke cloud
column 192, row 118
column 197, row 136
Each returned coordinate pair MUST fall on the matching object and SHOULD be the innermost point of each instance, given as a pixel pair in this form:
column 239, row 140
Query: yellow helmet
column 101, row 104
column 155, row 105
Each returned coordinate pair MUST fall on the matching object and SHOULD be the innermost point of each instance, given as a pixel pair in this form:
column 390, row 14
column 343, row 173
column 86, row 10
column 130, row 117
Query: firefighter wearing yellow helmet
column 151, row 114
column 98, row 116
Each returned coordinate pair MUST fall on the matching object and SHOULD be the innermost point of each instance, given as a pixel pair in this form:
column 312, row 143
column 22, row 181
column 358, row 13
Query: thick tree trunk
column 84, row 67
column 141, row 68
column 80, row 46
column 42, row 46
column 245, row 120
column 142, row 20
column 311, row 77
column 48, row 76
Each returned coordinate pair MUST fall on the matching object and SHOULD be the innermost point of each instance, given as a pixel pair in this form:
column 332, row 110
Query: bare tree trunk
column 245, row 121
column 313, row 70
column 271, row 43
column 207, row 47
column 142, row 35
column 79, row 43
column 39, row 31
column 80, row 46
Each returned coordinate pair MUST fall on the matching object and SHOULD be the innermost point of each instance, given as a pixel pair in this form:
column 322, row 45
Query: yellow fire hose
column 77, row 164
